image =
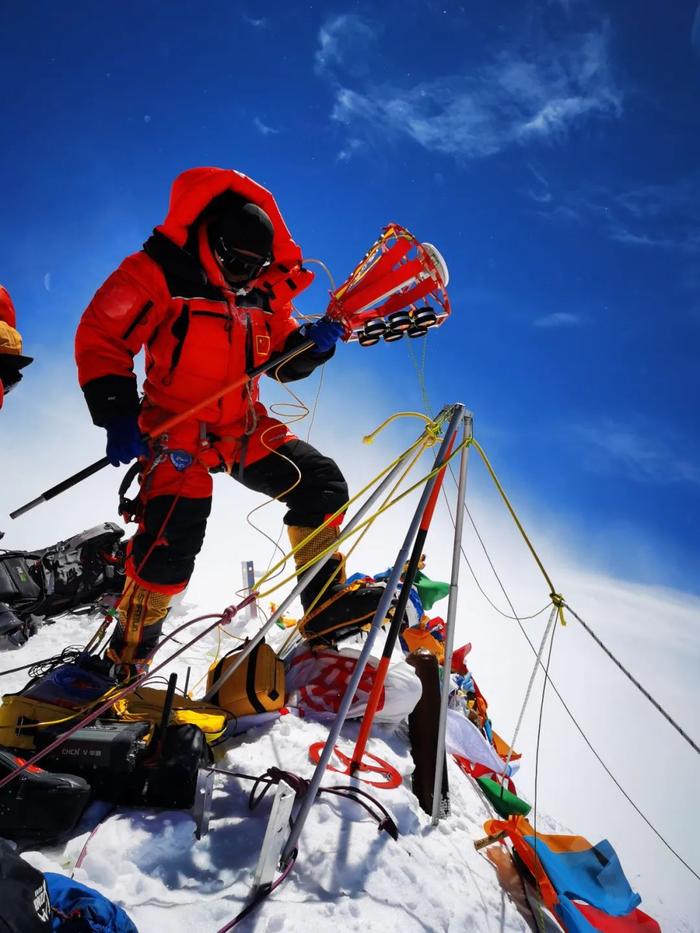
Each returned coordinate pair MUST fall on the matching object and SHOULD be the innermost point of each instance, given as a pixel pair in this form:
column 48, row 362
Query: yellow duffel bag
column 146, row 705
column 22, row 716
column 256, row 686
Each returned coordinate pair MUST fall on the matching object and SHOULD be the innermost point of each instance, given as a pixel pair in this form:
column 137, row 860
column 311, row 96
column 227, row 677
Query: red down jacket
column 7, row 309
column 171, row 299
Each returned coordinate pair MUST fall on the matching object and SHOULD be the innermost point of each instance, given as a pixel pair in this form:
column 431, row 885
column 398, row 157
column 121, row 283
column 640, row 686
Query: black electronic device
column 39, row 807
column 106, row 754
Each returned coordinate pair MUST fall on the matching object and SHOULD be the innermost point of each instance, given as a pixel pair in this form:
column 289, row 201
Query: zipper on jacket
column 248, row 344
column 137, row 320
column 179, row 332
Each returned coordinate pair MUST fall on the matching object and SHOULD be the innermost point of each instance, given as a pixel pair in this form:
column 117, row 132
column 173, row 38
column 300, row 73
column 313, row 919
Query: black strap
column 129, row 508
column 250, row 678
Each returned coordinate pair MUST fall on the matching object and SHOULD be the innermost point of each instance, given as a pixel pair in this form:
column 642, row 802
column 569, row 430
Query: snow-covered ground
column 347, row 874
column 654, row 630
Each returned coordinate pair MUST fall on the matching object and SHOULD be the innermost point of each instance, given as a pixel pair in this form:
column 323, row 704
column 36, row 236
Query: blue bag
column 79, row 909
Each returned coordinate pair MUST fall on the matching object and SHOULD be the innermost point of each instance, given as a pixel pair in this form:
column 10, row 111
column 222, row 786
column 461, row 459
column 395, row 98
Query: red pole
column 394, row 628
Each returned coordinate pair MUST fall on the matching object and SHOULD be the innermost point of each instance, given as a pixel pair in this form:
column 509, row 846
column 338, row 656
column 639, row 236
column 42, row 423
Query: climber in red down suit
column 208, row 298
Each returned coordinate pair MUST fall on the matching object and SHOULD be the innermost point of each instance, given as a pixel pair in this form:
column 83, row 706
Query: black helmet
column 241, row 239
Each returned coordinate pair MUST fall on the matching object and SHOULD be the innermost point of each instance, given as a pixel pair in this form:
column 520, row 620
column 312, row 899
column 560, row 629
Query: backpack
column 23, row 894
column 348, row 611
column 70, row 573
column 39, row 807
column 256, row 686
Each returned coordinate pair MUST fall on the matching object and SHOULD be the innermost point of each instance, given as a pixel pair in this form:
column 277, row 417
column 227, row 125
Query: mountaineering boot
column 333, row 570
column 140, row 615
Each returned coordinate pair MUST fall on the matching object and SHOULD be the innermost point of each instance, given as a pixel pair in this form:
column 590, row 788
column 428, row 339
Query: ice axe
column 380, row 298
column 167, row 425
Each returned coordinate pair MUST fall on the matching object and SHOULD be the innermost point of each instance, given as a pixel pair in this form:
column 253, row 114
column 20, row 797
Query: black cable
column 24, row 667
column 548, row 679
column 69, row 655
column 633, row 679
column 578, row 727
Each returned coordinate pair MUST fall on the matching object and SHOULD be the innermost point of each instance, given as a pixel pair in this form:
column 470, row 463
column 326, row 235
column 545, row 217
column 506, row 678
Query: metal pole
column 306, row 579
column 396, row 622
column 165, row 426
column 248, row 577
column 451, row 615
column 379, row 616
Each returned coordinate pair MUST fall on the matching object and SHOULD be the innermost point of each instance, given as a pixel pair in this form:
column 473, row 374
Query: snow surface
column 653, row 629
column 347, row 874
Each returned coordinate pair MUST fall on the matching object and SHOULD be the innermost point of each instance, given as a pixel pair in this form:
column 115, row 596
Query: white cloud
column 47, row 281
column 515, row 99
column 255, row 22
column 263, row 128
column 655, row 216
column 542, row 194
column 351, row 148
column 644, row 456
column 559, row 319
column 342, row 42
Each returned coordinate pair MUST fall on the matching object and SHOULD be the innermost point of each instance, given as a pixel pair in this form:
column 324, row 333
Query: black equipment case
column 38, row 808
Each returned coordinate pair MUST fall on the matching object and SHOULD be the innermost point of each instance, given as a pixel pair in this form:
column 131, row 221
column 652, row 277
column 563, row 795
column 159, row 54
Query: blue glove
column 324, row 333
column 124, row 441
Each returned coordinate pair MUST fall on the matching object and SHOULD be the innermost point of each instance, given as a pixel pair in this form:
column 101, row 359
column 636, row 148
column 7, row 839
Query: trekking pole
column 400, row 608
column 165, row 426
column 308, row 576
column 450, row 623
column 379, row 616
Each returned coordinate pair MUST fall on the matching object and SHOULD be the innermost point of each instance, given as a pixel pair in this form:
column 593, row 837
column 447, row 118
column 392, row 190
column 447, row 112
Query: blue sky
column 550, row 150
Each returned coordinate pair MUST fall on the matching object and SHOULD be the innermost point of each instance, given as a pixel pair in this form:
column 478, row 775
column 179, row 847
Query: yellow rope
column 74, row 715
column 366, row 521
column 557, row 598
column 292, row 635
column 217, row 654
column 432, row 427
column 429, row 433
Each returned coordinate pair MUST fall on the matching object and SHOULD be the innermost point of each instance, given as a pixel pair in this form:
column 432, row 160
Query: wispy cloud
column 542, row 192
column 340, row 39
column 644, row 456
column 263, row 128
column 662, row 216
column 559, row 319
column 352, row 146
column 257, row 22
column 695, row 32
column 515, row 99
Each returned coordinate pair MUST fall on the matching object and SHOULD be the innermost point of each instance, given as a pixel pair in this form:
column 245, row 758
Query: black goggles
column 237, row 262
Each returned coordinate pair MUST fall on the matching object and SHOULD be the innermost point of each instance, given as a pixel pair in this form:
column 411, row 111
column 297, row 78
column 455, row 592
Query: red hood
column 7, row 309
column 196, row 188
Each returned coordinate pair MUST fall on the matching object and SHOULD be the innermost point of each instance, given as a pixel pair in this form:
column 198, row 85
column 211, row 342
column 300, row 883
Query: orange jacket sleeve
column 122, row 315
